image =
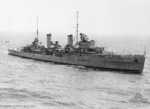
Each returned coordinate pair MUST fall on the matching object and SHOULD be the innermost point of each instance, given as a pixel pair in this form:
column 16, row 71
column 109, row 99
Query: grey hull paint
column 89, row 60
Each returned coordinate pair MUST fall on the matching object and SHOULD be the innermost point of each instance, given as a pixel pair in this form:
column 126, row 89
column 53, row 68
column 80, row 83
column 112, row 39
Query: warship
column 82, row 53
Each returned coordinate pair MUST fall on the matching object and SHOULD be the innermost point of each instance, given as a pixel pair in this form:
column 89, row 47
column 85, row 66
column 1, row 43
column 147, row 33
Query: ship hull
column 89, row 60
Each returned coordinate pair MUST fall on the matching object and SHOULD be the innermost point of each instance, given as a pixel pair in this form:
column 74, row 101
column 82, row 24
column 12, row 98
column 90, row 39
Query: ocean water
column 32, row 84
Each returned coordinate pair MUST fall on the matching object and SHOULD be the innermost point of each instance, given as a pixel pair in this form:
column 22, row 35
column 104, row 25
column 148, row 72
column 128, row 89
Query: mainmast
column 37, row 28
column 77, row 28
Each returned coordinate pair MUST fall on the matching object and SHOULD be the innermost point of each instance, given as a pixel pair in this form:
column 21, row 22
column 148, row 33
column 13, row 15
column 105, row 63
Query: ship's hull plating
column 89, row 60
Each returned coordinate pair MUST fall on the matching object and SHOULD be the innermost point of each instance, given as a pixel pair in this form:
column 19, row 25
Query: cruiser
column 83, row 53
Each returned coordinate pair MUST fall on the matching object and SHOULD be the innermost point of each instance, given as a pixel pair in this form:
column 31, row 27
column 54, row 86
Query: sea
column 32, row 84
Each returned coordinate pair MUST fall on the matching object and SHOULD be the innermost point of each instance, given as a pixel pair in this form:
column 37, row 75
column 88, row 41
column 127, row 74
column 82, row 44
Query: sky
column 99, row 17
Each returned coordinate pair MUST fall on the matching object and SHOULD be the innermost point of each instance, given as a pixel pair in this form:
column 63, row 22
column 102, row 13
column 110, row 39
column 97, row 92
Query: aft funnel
column 49, row 40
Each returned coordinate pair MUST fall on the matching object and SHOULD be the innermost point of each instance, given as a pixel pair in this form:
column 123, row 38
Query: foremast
column 37, row 30
column 77, row 28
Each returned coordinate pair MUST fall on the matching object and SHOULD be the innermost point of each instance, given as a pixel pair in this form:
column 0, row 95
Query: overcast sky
column 104, row 17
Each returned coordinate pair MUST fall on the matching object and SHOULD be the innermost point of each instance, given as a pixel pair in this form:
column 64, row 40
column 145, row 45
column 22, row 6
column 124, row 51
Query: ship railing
column 129, row 56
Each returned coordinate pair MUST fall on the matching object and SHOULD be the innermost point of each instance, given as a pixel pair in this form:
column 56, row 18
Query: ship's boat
column 82, row 53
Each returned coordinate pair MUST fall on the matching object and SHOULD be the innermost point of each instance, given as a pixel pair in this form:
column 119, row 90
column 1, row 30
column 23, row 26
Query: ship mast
column 37, row 28
column 77, row 28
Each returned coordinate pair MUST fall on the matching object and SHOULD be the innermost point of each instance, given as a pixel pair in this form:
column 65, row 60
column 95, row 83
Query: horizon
column 98, row 17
